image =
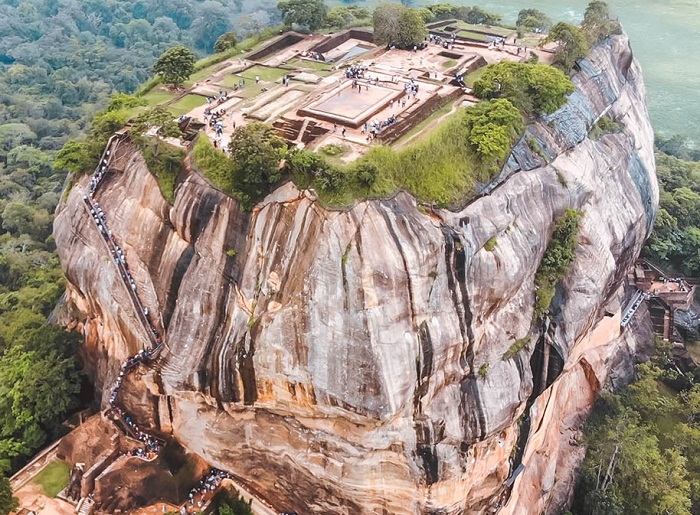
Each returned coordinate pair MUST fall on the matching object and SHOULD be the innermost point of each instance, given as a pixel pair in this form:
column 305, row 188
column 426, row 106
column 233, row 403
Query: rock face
column 353, row 361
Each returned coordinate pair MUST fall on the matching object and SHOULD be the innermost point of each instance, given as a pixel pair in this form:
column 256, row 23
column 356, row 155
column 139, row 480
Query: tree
column 491, row 126
column 38, row 384
column 477, row 15
column 158, row 118
column 442, row 11
column 175, row 65
column 225, row 42
column 597, row 23
column 533, row 20
column 633, row 464
column 7, row 502
column 307, row 13
column 572, row 45
column 212, row 21
column 532, row 88
column 396, row 24
column 345, row 16
column 256, row 152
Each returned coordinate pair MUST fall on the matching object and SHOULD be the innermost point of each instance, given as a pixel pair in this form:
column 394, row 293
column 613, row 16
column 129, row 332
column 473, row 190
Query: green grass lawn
column 265, row 73
column 53, row 478
column 473, row 35
column 449, row 63
column 202, row 74
column 157, row 96
column 308, row 64
column 474, row 76
column 496, row 31
column 251, row 91
column 232, row 80
column 186, row 104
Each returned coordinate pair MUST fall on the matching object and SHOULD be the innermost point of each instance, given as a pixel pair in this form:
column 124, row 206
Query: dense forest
column 60, row 63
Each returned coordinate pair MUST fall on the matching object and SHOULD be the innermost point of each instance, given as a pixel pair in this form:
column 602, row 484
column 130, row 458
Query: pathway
column 206, row 488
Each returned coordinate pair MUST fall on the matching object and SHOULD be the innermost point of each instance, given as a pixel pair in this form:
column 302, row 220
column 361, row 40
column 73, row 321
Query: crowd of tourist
column 374, row 127
column 446, row 43
column 223, row 97
column 203, row 490
column 151, row 447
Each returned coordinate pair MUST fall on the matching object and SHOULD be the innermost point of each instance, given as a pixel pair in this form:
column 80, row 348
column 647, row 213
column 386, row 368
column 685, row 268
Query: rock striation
column 352, row 361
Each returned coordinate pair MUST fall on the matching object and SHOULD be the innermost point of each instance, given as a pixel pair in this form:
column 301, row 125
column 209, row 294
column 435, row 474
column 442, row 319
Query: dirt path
column 32, row 497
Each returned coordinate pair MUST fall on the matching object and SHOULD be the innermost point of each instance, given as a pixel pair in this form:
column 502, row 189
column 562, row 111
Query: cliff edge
column 356, row 361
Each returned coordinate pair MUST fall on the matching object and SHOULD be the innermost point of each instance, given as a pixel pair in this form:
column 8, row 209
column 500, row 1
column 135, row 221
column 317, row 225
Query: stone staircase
column 85, row 506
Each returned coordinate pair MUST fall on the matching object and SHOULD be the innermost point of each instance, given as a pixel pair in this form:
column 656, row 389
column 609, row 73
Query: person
column 344, row 130
column 257, row 79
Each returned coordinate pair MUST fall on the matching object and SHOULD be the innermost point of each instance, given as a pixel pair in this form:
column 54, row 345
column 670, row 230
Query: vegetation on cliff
column 532, row 88
column 643, row 446
column 444, row 168
column 557, row 259
column 675, row 242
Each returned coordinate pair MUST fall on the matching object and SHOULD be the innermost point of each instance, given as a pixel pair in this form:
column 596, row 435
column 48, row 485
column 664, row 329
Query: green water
column 665, row 36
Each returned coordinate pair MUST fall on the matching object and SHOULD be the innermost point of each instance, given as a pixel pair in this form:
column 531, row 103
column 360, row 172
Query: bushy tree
column 532, row 88
column 256, row 151
column 557, row 258
column 225, row 42
column 345, row 16
column 175, row 65
column 8, row 503
column 212, row 21
column 572, row 45
column 533, row 20
column 396, row 24
column 491, row 127
column 38, row 384
column 306, row 13
column 598, row 23
column 675, row 241
column 635, row 462
column 442, row 11
column 477, row 15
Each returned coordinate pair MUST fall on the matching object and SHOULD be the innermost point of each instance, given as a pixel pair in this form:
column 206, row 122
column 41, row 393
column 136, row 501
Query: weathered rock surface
column 332, row 358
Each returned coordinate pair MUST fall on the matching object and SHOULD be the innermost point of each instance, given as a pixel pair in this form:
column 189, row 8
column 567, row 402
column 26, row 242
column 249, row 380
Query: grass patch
column 449, row 63
column 308, row 64
column 491, row 244
column 186, row 104
column 334, row 150
column 488, row 29
column 557, row 259
column 516, row 347
column 156, row 97
column 213, row 163
column 605, row 125
column 165, row 163
column 264, row 72
column 443, row 168
column 474, row 76
column 53, row 478
column 484, row 370
column 474, row 35
column 253, row 42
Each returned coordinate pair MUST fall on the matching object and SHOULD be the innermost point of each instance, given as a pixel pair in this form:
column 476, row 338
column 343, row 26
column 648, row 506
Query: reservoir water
column 665, row 38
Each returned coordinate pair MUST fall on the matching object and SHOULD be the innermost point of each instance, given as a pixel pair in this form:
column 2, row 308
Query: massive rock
column 352, row 361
